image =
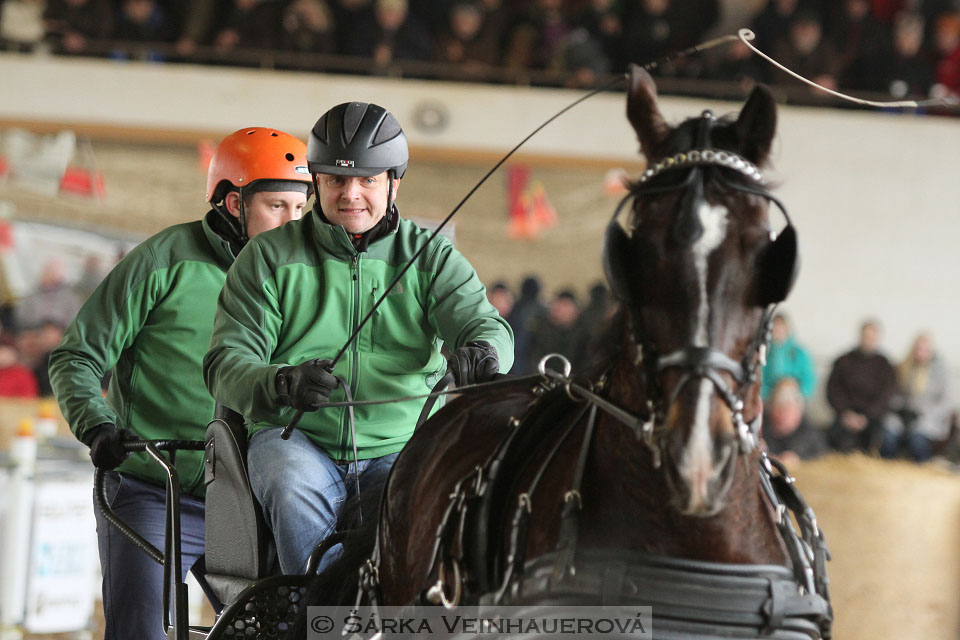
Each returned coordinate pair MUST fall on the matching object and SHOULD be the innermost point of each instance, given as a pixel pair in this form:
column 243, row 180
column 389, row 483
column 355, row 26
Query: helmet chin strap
column 243, row 218
column 235, row 229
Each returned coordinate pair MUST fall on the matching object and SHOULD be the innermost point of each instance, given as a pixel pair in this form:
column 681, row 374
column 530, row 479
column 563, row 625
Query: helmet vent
column 389, row 129
column 352, row 116
column 320, row 129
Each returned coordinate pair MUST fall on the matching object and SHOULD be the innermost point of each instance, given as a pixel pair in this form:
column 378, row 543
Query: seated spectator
column 501, row 298
column 308, row 26
column 863, row 44
column 736, row 62
column 559, row 332
column 947, row 42
column 910, row 71
column 390, row 34
column 34, row 344
column 72, row 24
column 922, row 408
column 786, row 358
column 466, row 40
column 805, row 52
column 195, row 20
column 528, row 313
column 648, row 32
column 93, row 273
column 253, row 24
column 350, row 16
column 21, row 24
column 694, row 19
column 602, row 20
column 860, row 387
column 773, row 22
column 788, row 434
column 16, row 380
column 53, row 300
column 537, row 41
column 143, row 21
column 583, row 59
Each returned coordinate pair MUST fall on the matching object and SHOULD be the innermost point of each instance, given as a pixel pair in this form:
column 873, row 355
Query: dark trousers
column 132, row 580
column 867, row 440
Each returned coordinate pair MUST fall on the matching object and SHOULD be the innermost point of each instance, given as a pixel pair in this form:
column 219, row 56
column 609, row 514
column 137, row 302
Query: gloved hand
column 106, row 445
column 306, row 386
column 474, row 362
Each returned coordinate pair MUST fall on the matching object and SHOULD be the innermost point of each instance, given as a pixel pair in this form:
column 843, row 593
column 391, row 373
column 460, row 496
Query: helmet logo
column 344, row 163
column 301, row 169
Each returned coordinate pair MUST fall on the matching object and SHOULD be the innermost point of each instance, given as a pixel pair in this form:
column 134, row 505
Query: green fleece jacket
column 298, row 292
column 150, row 320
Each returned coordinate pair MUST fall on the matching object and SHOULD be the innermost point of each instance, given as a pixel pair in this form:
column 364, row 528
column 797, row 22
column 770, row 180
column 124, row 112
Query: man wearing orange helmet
column 150, row 321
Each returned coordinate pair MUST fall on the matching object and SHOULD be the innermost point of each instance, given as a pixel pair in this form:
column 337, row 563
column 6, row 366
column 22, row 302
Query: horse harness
column 778, row 266
column 686, row 596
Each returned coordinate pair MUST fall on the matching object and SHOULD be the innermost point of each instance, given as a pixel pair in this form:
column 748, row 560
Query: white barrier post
column 15, row 550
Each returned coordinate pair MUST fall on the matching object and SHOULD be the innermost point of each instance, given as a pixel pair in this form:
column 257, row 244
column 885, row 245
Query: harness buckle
column 542, row 365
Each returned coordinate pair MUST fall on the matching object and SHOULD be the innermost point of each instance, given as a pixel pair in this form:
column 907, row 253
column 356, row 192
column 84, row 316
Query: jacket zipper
column 355, row 350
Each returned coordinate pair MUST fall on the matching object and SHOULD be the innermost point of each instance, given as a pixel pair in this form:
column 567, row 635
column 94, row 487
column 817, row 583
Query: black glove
column 106, row 445
column 474, row 362
column 306, row 386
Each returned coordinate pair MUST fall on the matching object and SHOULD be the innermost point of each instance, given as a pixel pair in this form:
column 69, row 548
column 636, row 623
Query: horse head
column 699, row 270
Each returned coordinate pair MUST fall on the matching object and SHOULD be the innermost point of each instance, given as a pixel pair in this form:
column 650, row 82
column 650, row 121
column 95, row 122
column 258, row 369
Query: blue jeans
column 132, row 581
column 301, row 489
column 919, row 447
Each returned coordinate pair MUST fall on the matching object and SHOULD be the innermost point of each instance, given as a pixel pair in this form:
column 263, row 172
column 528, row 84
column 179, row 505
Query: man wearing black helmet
column 149, row 322
column 297, row 294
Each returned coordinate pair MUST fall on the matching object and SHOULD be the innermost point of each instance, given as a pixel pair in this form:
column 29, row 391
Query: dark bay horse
column 647, row 468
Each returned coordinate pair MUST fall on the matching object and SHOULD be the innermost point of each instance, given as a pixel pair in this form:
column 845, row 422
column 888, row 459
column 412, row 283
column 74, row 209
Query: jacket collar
column 219, row 244
column 336, row 239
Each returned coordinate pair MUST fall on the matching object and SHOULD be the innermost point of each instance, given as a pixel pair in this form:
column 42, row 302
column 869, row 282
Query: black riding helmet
column 357, row 139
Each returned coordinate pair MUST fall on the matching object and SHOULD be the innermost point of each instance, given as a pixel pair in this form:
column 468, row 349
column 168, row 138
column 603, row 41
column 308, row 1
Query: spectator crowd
column 903, row 410
column 895, row 410
column 902, row 48
column 33, row 325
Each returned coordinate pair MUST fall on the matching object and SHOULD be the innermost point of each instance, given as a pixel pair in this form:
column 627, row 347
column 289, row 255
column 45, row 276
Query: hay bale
column 893, row 529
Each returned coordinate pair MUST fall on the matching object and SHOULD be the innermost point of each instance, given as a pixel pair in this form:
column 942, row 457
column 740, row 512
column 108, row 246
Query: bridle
column 465, row 535
column 697, row 362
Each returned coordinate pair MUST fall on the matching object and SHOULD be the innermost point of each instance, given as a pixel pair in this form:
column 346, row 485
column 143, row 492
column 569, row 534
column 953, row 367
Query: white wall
column 875, row 196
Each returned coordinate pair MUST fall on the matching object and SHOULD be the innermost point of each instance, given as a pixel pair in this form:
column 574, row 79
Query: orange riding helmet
column 252, row 154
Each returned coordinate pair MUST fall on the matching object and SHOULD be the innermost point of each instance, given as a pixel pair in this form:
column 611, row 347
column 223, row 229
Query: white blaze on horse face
column 714, row 221
column 696, row 467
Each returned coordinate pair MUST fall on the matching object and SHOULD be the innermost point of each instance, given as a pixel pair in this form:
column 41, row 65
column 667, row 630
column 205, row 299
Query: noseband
column 695, row 361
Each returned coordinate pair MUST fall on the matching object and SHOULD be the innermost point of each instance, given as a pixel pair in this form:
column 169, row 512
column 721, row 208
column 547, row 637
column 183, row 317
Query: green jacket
column 149, row 320
column 298, row 292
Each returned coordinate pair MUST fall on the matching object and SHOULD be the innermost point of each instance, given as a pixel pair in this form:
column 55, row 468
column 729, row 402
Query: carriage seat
column 239, row 545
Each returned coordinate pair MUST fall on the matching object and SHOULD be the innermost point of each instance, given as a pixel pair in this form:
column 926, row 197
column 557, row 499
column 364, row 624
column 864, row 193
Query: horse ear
column 778, row 266
column 616, row 258
column 643, row 112
column 756, row 125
